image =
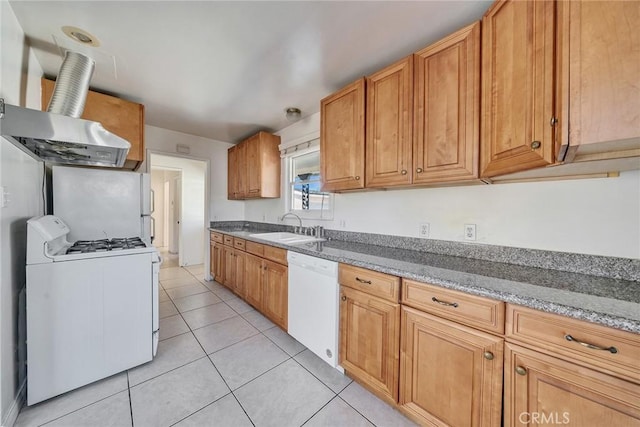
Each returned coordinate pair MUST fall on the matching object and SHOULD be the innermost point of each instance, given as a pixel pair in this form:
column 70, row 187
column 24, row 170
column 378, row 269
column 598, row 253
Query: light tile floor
column 222, row 363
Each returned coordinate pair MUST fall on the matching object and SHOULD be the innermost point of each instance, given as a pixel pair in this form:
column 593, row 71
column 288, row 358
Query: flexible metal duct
column 72, row 85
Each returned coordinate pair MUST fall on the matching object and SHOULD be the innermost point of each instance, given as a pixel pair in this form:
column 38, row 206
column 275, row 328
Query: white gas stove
column 92, row 307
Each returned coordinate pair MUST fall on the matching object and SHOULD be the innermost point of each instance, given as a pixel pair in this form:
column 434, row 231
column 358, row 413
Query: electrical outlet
column 423, row 230
column 469, row 232
column 264, row 217
column 343, row 223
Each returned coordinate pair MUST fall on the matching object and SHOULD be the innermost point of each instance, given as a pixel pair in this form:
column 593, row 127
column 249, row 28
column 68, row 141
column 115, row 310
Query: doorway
column 180, row 187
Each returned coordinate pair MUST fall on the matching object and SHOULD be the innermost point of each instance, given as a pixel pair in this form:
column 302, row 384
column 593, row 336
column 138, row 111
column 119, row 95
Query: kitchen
column 589, row 216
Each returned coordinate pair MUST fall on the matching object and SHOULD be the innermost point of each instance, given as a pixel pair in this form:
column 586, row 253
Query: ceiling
column 225, row 70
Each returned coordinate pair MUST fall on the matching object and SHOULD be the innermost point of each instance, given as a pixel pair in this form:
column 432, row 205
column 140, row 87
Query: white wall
column 165, row 141
column 591, row 216
column 21, row 176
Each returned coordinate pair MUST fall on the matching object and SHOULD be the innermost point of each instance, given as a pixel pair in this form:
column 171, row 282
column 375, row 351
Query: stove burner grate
column 102, row 245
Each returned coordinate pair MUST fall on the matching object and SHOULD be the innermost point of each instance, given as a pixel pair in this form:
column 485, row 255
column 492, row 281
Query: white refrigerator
column 99, row 204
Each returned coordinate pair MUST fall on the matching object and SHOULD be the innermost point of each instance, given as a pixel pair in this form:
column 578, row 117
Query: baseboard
column 16, row 405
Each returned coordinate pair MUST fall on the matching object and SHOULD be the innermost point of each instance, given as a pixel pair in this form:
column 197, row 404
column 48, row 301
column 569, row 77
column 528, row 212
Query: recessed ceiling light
column 81, row 36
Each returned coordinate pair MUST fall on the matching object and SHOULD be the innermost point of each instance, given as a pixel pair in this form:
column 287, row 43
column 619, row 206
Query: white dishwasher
column 313, row 304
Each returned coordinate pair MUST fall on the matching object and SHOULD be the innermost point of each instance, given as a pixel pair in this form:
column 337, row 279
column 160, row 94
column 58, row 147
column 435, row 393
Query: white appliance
column 98, row 203
column 92, row 308
column 313, row 304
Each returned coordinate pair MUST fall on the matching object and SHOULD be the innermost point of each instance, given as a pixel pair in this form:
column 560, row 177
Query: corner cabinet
column 599, row 79
column 253, row 168
column 342, row 138
column 517, row 86
column 121, row 117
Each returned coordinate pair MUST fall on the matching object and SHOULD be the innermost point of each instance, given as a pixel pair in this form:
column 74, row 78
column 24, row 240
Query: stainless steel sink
column 286, row 238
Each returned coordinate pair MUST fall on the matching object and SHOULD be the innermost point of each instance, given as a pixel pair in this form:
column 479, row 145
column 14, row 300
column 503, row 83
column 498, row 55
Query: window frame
column 320, row 215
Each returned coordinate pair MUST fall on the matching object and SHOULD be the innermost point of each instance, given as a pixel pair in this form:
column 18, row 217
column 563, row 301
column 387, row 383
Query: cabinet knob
column 403, row 172
column 535, row 145
column 521, row 370
column 357, row 178
column 488, row 355
column 419, row 170
column 344, row 298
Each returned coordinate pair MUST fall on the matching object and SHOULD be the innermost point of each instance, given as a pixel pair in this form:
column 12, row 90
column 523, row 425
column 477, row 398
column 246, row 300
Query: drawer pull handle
column 367, row 282
column 448, row 304
column 521, row 370
column 612, row 350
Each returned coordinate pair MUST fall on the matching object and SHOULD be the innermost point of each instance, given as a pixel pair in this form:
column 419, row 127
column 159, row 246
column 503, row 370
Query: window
column 305, row 197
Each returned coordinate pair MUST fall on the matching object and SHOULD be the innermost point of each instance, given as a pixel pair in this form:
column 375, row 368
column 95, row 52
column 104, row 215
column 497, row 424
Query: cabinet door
column 218, row 263
column 253, row 274
column 254, row 174
column 370, row 341
column 228, row 254
column 544, row 390
column 517, row 86
column 447, row 113
column 241, row 170
column 275, row 292
column 389, row 125
column 599, row 64
column 342, row 138
column 232, row 173
column 240, row 259
column 449, row 374
column 212, row 263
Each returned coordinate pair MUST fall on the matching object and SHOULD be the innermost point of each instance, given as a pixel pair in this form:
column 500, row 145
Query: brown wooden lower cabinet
column 253, row 280
column 275, row 295
column 217, row 262
column 450, row 374
column 369, row 341
column 545, row 390
column 229, row 267
column 239, row 284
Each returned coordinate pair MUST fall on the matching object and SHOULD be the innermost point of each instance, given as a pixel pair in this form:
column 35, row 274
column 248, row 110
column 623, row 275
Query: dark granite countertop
column 607, row 301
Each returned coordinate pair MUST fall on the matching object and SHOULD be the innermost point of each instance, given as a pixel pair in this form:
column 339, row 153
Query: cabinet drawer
column 228, row 240
column 472, row 310
column 612, row 351
column 216, row 237
column 374, row 283
column 275, row 254
column 254, row 248
column 239, row 243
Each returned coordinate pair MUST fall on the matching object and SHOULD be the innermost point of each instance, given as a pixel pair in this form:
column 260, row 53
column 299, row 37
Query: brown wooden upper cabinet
column 342, row 138
column 599, row 78
column 254, row 168
column 389, row 120
column 422, row 120
column 561, row 83
column 447, row 109
column 121, row 117
column 517, row 89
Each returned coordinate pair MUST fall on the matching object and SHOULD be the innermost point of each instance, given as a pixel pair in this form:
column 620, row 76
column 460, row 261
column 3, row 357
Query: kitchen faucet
column 296, row 229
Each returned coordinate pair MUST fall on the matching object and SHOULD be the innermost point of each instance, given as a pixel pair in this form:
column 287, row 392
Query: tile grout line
column 321, row 408
column 82, row 407
column 130, row 403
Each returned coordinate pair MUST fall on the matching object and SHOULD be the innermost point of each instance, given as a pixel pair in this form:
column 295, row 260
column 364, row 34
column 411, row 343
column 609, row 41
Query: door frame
column 207, row 195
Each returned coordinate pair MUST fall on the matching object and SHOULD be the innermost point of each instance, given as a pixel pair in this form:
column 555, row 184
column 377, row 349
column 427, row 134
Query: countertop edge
column 555, row 304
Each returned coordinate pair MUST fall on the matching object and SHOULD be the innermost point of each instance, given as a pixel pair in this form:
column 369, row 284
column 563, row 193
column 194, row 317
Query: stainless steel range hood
column 58, row 135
